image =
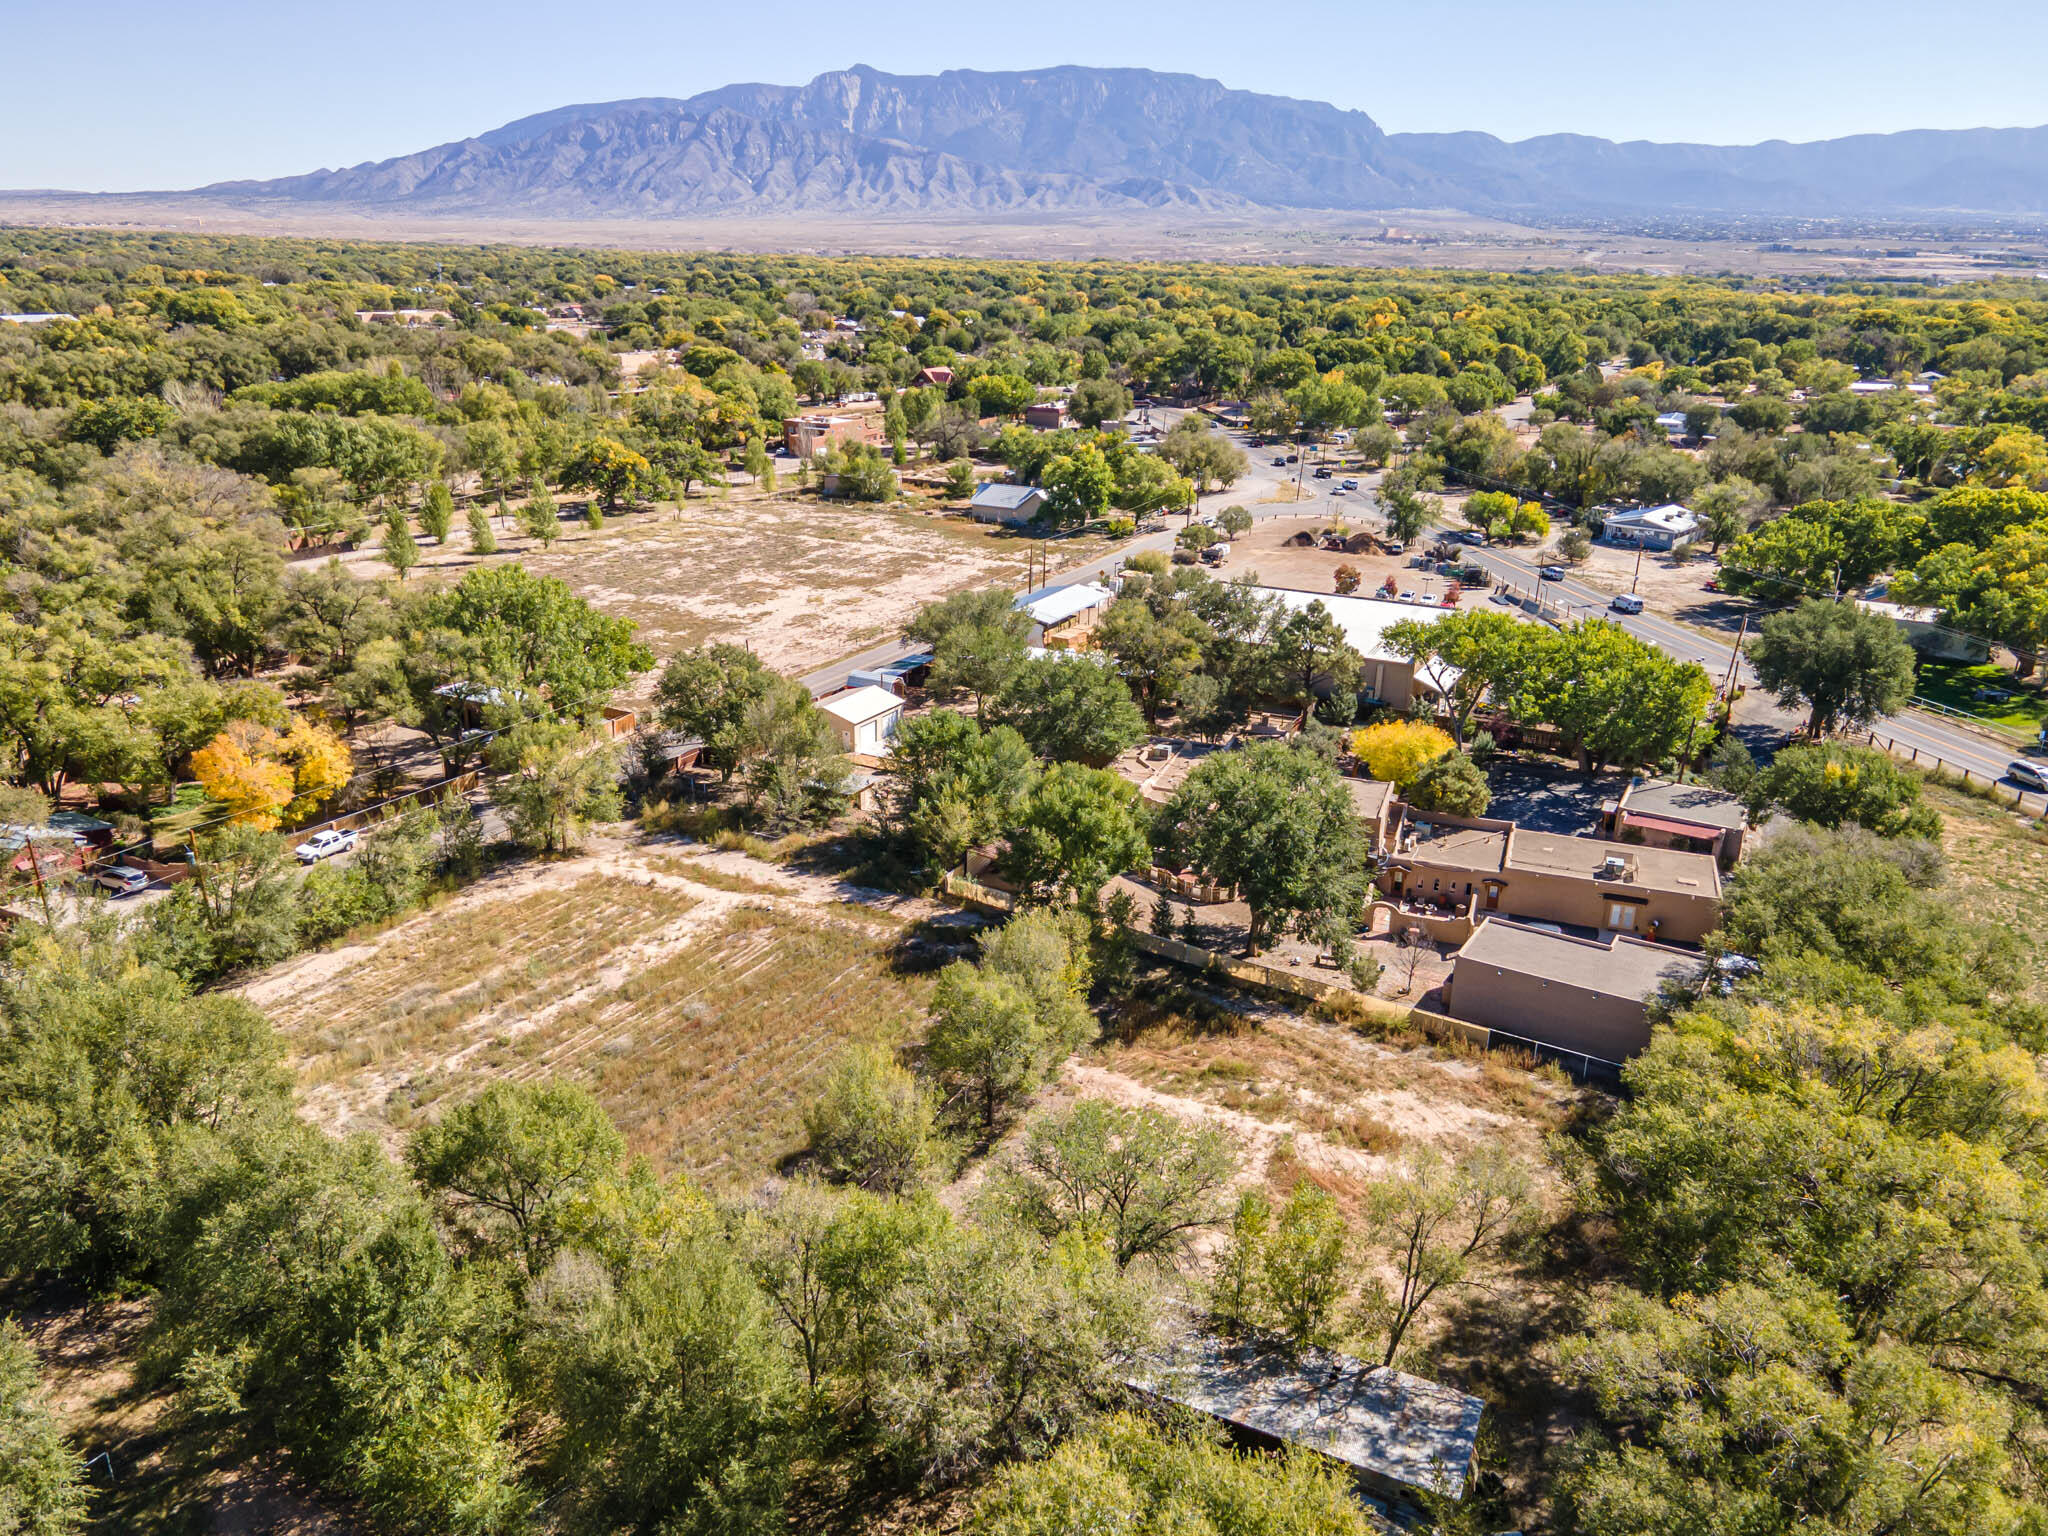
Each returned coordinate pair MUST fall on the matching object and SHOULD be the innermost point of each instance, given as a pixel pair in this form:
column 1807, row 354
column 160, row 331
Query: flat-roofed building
column 1400, row 1436
column 1587, row 996
column 1663, row 813
column 1466, row 868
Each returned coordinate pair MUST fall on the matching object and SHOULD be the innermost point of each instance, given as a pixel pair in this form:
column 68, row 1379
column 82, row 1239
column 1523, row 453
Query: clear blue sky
column 130, row 95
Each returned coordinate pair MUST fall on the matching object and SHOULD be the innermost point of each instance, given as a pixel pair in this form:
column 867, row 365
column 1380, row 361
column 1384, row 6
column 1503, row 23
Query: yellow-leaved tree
column 265, row 777
column 1397, row 750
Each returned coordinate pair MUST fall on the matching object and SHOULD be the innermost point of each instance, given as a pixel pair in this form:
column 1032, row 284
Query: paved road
column 1261, row 480
column 1915, row 734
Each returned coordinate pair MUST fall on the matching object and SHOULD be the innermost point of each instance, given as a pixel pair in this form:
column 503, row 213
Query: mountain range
column 1075, row 139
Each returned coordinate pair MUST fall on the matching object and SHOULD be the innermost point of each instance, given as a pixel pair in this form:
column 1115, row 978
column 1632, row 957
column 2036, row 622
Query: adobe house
column 1663, row 813
column 1587, row 996
column 1458, row 870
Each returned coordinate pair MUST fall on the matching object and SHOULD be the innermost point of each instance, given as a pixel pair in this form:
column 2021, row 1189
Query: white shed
column 865, row 718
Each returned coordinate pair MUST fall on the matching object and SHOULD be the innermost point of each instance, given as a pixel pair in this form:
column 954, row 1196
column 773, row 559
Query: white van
column 1627, row 602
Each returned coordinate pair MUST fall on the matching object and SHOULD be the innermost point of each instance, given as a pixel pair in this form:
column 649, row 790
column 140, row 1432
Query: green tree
column 1452, row 784
column 977, row 638
column 795, row 771
column 1077, row 829
column 42, row 1480
column 1432, row 1222
column 709, row 693
column 1612, row 697
column 551, row 780
column 1274, row 822
column 1303, row 1269
column 955, row 783
column 1137, row 1179
column 526, row 635
column 1095, row 401
column 1081, row 486
column 1834, row 783
column 538, row 518
column 1847, row 666
column 400, row 550
column 482, row 541
column 437, row 512
column 513, row 1162
column 873, row 1124
column 1127, row 1472
column 1070, row 708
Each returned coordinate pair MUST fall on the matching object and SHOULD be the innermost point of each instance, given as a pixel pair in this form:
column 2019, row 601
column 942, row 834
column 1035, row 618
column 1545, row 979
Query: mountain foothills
column 1078, row 139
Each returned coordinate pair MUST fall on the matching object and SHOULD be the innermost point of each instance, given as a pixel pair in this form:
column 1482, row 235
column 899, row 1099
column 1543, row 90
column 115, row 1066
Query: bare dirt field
column 701, row 996
column 800, row 581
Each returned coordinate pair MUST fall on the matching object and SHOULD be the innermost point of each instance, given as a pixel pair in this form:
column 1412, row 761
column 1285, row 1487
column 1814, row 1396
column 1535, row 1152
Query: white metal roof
column 1671, row 517
column 857, row 706
column 1365, row 619
column 1053, row 605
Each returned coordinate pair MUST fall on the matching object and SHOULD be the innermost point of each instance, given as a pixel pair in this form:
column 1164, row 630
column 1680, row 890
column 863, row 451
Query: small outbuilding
column 1663, row 813
column 1400, row 1435
column 1011, row 505
column 1586, row 997
column 866, row 718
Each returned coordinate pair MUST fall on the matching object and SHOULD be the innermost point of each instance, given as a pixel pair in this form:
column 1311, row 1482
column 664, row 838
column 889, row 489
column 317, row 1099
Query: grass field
column 1998, row 867
column 1954, row 686
column 702, row 1007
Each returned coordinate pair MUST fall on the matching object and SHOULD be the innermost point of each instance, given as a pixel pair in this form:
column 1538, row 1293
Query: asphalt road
column 1914, row 734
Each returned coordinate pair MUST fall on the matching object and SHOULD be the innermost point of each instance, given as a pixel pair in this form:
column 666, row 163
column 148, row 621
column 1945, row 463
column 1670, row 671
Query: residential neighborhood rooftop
column 1365, row 619
column 1055, row 605
column 1625, row 967
column 857, row 705
column 998, row 493
column 1657, row 869
column 1700, row 804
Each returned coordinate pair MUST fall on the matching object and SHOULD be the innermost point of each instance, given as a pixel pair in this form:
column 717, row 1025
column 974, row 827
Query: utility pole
column 1735, row 661
column 1639, row 571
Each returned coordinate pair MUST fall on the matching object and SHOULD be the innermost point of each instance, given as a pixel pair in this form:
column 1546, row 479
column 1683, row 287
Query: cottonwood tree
column 1433, row 1222
column 1847, row 666
column 1076, row 830
column 977, row 638
column 709, row 692
column 1139, row 1179
column 1274, row 822
column 1070, row 708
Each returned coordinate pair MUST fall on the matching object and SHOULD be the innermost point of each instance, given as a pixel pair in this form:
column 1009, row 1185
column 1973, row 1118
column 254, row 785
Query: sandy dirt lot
column 1264, row 553
column 799, row 581
column 701, row 996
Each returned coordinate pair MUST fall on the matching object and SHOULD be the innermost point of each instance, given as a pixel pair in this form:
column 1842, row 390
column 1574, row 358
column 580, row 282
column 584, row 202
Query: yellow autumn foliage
column 264, row 777
column 1397, row 750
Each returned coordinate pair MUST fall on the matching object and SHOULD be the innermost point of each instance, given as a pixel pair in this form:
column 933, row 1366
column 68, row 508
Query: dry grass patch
column 421, row 987
column 707, row 1058
column 1998, row 866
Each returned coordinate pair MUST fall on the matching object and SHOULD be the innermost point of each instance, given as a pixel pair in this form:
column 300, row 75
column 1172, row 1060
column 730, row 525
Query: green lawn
column 1955, row 685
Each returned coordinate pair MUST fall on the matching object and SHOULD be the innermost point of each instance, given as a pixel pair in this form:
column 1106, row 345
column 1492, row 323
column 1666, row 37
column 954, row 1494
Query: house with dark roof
column 1011, row 505
column 1585, row 996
